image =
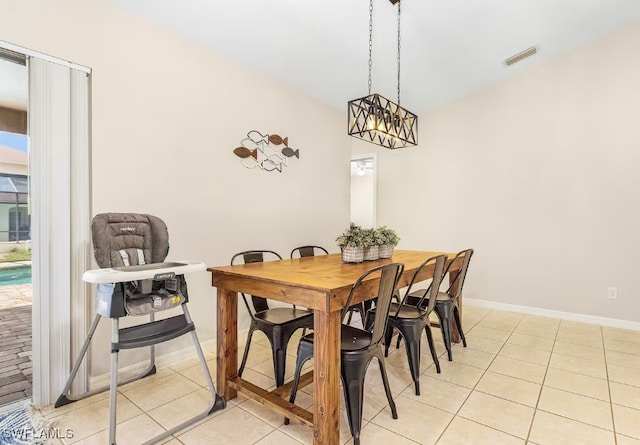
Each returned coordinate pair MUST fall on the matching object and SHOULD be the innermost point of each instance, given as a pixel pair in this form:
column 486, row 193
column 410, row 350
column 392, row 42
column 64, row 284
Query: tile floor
column 522, row 380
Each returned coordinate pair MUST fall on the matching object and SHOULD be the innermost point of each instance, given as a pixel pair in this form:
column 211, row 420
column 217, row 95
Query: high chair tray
column 142, row 272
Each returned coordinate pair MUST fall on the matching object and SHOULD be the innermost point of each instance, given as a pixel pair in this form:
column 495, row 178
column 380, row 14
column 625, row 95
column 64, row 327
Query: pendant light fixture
column 376, row 119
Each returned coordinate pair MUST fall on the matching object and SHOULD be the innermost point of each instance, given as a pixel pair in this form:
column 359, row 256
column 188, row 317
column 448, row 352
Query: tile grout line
column 569, row 418
column 535, row 410
column 189, row 427
column 466, row 398
column 606, row 370
column 142, row 411
column 476, row 384
column 518, row 378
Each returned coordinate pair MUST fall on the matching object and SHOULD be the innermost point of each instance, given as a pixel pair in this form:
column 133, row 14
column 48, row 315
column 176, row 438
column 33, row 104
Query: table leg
column 227, row 341
column 326, row 384
column 453, row 275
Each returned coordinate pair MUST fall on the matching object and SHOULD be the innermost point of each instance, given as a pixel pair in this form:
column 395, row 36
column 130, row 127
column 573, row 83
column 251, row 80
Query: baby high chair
column 130, row 248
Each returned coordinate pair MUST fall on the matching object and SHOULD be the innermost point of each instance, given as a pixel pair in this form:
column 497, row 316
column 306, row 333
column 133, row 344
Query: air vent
column 521, row 56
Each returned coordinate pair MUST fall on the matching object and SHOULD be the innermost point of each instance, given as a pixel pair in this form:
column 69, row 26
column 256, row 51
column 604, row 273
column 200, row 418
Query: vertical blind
column 60, row 197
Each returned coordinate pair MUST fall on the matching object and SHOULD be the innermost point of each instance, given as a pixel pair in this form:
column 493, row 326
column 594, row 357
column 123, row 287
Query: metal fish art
column 261, row 151
column 243, row 152
column 289, row 152
column 258, row 137
column 278, row 140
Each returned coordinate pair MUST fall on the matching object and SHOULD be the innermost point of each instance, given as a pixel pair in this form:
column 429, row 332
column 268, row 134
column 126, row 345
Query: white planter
column 385, row 251
column 352, row 254
column 371, row 253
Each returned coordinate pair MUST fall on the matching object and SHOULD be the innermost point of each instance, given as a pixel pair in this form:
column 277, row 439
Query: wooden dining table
column 321, row 283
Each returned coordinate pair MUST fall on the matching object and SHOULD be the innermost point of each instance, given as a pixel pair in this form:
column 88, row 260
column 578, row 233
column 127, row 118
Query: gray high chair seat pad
column 130, row 235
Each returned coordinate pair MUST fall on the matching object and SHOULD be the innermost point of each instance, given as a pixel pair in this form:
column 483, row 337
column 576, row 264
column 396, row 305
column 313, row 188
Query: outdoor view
column 15, row 236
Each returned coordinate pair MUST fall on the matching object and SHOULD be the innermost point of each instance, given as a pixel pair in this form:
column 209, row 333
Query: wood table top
column 317, row 278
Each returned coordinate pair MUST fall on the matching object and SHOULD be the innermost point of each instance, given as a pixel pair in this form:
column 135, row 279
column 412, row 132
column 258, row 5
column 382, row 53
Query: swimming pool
column 15, row 275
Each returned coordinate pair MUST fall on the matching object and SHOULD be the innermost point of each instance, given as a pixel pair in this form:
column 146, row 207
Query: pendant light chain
column 370, row 41
column 399, row 3
column 379, row 120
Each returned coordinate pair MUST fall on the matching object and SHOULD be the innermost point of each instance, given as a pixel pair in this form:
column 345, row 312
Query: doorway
column 16, row 367
column 363, row 190
column 57, row 217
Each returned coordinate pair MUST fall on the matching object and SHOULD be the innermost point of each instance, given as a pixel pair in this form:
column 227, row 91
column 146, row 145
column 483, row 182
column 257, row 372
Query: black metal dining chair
column 357, row 348
column 307, row 251
column 446, row 304
column 410, row 321
column 278, row 323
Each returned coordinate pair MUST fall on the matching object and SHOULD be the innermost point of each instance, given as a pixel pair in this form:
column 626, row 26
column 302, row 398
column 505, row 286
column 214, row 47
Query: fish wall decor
column 265, row 151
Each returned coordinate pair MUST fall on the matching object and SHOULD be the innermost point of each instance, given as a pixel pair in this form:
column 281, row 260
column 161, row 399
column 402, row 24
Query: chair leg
column 353, row 374
column 445, row 327
column 387, row 339
column 412, row 345
column 369, row 320
column 63, row 399
column 113, row 386
column 398, row 342
column 304, row 353
column 367, row 323
column 432, row 347
column 387, row 388
column 363, row 316
column 348, row 322
column 456, row 317
column 217, row 402
column 246, row 352
column 279, row 349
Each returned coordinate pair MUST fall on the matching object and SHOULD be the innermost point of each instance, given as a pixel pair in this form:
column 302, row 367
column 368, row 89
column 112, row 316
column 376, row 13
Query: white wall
column 166, row 116
column 362, row 199
column 538, row 173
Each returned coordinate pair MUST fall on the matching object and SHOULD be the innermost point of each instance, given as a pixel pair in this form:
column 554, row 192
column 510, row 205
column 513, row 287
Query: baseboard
column 570, row 316
column 162, row 361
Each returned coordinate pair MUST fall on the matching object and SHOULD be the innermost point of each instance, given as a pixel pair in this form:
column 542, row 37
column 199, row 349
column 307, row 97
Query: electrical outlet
column 612, row 293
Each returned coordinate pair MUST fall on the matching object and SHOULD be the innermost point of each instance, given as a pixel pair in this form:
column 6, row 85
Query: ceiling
column 450, row 48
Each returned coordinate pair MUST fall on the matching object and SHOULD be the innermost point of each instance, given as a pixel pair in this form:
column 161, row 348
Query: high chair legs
column 65, row 397
column 147, row 334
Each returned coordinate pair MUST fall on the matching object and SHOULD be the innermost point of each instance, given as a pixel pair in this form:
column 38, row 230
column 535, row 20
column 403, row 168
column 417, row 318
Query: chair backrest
column 389, row 276
column 430, row 292
column 462, row 273
column 129, row 239
column 255, row 256
column 305, row 251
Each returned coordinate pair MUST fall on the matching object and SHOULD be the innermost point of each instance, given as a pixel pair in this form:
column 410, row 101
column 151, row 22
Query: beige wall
column 538, row 173
column 167, row 115
column 14, row 168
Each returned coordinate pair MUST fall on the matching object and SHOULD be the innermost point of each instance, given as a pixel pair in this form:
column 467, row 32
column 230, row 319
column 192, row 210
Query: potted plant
column 388, row 239
column 372, row 242
column 352, row 243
